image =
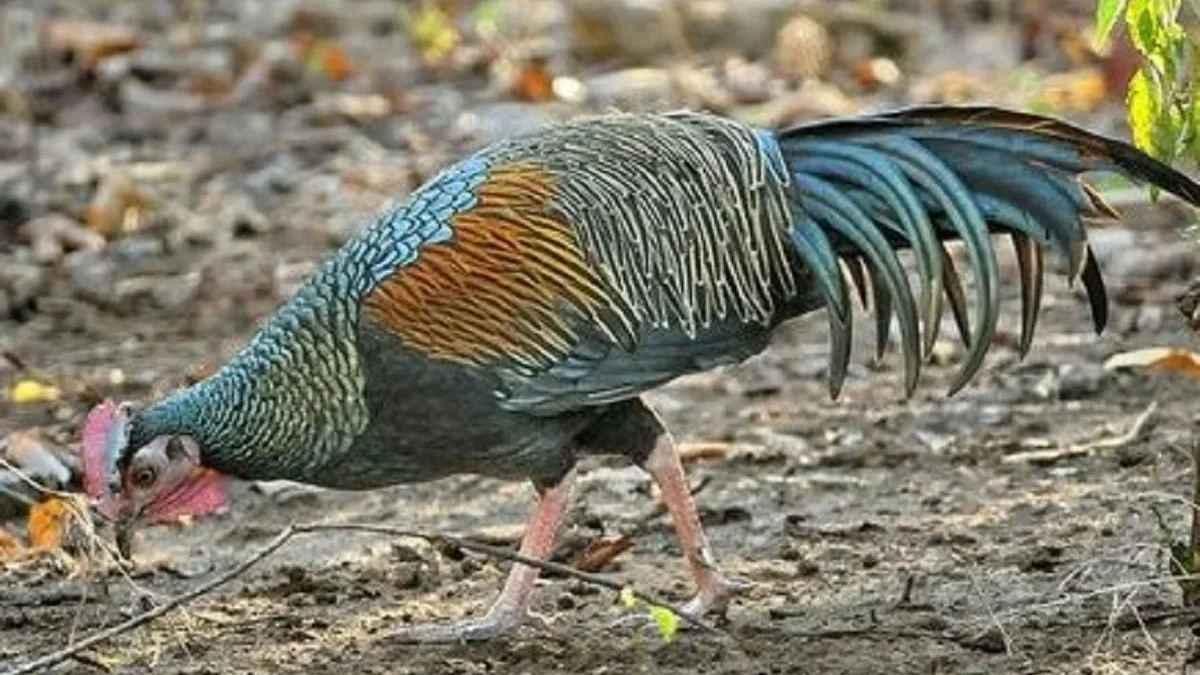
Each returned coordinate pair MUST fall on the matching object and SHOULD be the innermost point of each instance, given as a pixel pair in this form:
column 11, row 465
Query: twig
column 81, row 517
column 94, row 639
column 1008, row 644
column 510, row 556
column 291, row 531
column 1054, row 454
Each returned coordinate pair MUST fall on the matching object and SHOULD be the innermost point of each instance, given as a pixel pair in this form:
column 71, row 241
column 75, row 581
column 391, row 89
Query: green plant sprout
column 666, row 621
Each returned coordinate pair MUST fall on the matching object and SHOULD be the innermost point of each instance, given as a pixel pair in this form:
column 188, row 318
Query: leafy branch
column 1162, row 99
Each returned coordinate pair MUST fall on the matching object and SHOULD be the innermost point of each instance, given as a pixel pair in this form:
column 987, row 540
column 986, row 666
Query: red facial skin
column 162, row 482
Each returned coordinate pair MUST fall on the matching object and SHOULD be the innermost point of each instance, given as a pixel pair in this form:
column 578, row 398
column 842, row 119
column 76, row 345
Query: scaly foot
column 714, row 596
column 511, row 609
column 492, row 625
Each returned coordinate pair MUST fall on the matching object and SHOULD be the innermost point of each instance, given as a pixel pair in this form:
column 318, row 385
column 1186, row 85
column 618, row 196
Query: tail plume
column 914, row 178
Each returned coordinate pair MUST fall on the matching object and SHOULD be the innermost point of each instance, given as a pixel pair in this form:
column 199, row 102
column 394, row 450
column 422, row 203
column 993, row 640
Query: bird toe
column 490, row 626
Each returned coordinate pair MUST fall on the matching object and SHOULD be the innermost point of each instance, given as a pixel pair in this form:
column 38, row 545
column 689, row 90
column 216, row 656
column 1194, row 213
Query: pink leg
column 667, row 471
column 511, row 609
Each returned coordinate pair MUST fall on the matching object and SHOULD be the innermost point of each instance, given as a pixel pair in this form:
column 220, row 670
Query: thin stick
column 1107, row 443
column 511, row 556
column 291, row 531
column 1008, row 648
column 65, row 653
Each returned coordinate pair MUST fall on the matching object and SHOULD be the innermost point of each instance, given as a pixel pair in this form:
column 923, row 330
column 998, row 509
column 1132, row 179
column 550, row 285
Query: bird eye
column 144, row 477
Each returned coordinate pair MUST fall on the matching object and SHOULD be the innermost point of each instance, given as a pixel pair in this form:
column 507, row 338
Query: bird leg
column 715, row 589
column 511, row 609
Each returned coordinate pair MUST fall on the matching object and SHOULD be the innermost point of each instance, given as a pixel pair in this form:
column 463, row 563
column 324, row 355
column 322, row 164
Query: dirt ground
column 879, row 535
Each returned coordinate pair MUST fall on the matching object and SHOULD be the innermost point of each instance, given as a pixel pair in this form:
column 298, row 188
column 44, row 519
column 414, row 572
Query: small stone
column 807, row 568
column 991, row 641
column 802, row 49
column 176, row 292
column 946, row 352
column 13, row 211
column 53, row 234
column 137, row 250
column 640, row 88
column 91, row 275
column 22, row 282
column 241, row 218
column 1077, row 381
column 1132, row 455
column 634, row 30
column 748, row 82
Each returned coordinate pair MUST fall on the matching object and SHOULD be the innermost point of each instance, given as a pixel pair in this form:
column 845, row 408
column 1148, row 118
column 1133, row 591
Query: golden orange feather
column 511, row 284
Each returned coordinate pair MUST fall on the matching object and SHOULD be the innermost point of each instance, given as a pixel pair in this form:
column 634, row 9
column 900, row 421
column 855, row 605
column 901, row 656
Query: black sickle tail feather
column 918, row 176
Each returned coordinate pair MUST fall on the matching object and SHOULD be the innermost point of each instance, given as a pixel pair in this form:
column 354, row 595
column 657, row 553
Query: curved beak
column 125, row 530
column 128, row 517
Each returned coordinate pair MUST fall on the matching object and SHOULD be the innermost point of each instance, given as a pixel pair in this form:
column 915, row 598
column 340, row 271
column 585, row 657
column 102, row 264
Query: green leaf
column 1107, row 12
column 1144, row 111
column 666, row 621
column 1143, row 23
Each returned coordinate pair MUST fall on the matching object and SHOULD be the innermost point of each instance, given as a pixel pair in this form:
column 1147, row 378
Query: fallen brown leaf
column 10, row 546
column 599, row 553
column 117, row 206
column 335, row 63
column 534, row 83
column 1167, row 359
column 53, row 520
column 690, row 453
column 88, row 42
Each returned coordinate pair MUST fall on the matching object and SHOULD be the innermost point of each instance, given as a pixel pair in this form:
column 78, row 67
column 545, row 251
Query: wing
column 601, row 258
column 509, row 289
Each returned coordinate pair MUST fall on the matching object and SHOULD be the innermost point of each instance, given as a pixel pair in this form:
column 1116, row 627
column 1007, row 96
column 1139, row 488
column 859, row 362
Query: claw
column 714, row 599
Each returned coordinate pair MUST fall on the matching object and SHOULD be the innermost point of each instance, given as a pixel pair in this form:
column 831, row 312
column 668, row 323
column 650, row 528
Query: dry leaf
column 335, row 64
column 29, row 451
column 52, row 521
column 1157, row 358
column 10, row 546
column 118, row 205
column 90, row 43
column 1077, row 91
column 600, row 552
column 876, row 72
column 713, row 451
column 32, row 391
column 534, row 83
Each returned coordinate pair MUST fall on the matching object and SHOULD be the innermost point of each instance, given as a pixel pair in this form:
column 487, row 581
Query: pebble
column 1078, row 381
column 20, row 283
column 37, row 460
column 802, row 49
column 13, row 211
column 174, row 293
column 91, row 275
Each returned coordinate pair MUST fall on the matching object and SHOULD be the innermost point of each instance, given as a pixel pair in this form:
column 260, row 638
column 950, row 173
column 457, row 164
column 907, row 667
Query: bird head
column 161, row 480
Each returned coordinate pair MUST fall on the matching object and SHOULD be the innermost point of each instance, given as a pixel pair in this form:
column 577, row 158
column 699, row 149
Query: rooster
column 505, row 320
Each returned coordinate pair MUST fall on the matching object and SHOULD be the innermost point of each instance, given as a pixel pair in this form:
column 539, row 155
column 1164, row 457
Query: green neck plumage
column 283, row 406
